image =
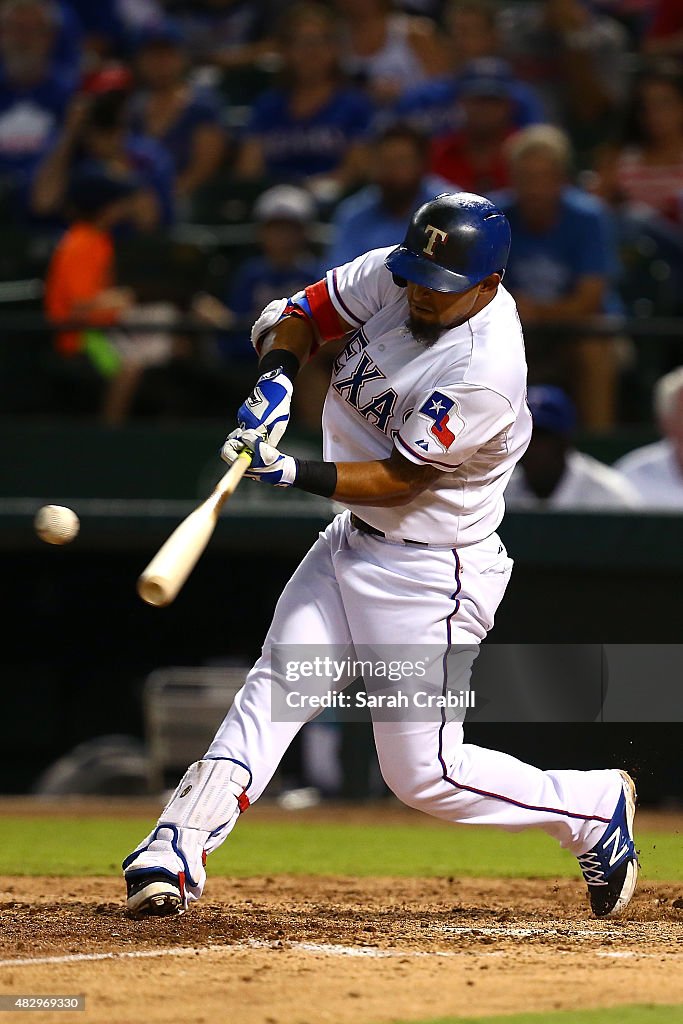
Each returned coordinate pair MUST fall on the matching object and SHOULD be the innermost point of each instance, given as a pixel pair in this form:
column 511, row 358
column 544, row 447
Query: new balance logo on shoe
column 617, row 853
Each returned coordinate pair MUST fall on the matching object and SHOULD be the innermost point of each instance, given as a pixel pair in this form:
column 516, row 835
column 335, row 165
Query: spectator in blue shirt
column 110, row 25
column 377, row 215
column 474, row 44
column 285, row 263
column 96, row 132
column 185, row 119
column 563, row 262
column 227, row 33
column 34, row 94
column 313, row 127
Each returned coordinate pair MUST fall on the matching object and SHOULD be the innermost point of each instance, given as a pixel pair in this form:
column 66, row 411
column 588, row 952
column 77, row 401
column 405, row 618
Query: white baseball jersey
column 459, row 405
column 654, row 472
column 585, row 483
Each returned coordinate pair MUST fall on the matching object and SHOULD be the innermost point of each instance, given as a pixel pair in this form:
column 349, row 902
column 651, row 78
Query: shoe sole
column 158, row 899
column 631, row 878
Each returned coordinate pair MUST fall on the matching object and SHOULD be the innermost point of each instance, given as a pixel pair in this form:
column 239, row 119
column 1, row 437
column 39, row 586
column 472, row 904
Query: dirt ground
column 296, row 950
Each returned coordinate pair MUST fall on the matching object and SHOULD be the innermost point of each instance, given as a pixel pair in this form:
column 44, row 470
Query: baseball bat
column 161, row 581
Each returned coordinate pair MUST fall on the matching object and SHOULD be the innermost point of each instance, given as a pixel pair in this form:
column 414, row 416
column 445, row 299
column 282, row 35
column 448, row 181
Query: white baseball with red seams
column 459, row 405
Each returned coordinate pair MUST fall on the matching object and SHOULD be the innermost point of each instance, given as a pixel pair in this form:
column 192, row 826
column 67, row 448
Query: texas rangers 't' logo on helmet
column 434, row 235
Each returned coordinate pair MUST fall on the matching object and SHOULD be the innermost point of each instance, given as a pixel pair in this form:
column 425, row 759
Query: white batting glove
column 268, row 465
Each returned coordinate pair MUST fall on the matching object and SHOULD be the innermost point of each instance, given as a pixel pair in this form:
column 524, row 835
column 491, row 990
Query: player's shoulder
column 645, row 459
column 500, row 315
column 496, row 359
column 369, row 264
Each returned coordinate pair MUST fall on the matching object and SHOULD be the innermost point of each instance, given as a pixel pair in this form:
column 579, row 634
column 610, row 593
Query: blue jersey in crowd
column 297, row 148
column 202, row 108
column 362, row 222
column 256, row 283
column 29, row 121
column 433, row 105
column 581, row 243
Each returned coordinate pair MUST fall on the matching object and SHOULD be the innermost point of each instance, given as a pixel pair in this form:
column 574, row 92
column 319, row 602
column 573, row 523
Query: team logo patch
column 439, row 409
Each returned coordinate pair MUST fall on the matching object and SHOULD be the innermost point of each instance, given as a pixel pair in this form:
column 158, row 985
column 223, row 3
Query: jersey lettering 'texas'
column 360, row 370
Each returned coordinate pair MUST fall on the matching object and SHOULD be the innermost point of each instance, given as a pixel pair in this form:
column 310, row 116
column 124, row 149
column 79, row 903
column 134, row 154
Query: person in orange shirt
column 80, row 279
column 80, row 287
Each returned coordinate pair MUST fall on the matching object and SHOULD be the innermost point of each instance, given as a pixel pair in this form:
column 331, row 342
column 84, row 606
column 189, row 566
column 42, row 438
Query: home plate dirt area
column 299, row 950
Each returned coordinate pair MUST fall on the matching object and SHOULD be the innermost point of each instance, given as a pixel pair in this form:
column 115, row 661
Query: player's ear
column 490, row 283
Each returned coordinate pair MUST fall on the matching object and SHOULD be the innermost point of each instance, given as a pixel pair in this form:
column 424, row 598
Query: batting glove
column 267, row 407
column 267, row 464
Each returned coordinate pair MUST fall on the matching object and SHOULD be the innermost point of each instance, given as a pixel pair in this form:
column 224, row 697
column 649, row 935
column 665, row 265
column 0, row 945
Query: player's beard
column 425, row 332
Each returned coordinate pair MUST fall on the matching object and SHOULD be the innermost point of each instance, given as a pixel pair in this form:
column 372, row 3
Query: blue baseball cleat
column 611, row 867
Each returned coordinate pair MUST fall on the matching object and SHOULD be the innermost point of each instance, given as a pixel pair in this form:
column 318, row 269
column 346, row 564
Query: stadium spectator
column 96, row 130
column 285, row 263
column 312, row 127
column 472, row 37
column 284, row 266
column 563, row 261
column 227, row 33
column 80, row 280
column 656, row 470
column 107, row 364
column 575, row 58
column 34, row 94
column 552, row 474
column 386, row 51
column 665, row 33
column 377, row 215
column 185, row 119
column 110, row 25
column 472, row 157
column 647, row 169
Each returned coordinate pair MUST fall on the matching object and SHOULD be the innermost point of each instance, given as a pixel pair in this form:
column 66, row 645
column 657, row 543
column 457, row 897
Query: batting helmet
column 452, row 243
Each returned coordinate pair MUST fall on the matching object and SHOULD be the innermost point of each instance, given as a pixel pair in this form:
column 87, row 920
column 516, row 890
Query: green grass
column 96, row 846
column 616, row 1015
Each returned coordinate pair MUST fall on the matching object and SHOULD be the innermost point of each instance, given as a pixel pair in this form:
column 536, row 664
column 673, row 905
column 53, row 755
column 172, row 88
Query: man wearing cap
column 552, row 474
column 472, row 155
column 285, row 262
column 424, row 421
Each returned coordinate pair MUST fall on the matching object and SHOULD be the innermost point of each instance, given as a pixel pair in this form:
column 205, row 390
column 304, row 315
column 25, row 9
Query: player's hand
column 267, row 464
column 267, row 407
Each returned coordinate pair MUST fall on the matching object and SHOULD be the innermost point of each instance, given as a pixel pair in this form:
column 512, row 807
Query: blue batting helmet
column 452, row 243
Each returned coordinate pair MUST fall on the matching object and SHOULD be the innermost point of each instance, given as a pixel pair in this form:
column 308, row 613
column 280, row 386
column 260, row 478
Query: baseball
column 56, row 524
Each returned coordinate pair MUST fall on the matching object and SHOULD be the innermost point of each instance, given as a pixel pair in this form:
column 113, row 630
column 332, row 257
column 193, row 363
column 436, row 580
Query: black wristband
column 316, row 477
column 280, row 359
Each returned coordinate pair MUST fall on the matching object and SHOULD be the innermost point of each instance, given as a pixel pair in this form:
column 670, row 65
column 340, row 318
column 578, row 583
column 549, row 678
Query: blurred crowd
column 177, row 162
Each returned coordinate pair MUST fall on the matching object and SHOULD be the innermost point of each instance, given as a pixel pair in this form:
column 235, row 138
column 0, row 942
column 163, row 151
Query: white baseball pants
column 355, row 588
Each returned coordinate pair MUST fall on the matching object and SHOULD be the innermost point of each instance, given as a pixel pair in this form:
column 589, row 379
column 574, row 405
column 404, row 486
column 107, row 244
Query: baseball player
column 424, row 421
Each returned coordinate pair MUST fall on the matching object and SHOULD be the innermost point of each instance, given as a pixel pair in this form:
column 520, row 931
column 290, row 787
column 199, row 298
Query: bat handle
column 227, row 484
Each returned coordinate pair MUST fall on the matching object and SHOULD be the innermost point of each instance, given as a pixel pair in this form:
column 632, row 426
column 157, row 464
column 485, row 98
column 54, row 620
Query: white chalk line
column 328, row 949
column 320, row 948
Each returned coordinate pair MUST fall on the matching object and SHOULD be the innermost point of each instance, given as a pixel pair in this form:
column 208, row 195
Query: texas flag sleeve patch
column 438, row 408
